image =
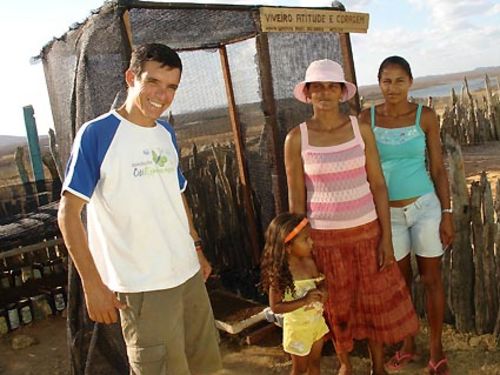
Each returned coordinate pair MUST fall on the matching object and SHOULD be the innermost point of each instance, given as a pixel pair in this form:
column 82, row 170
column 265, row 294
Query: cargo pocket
column 130, row 316
column 147, row 360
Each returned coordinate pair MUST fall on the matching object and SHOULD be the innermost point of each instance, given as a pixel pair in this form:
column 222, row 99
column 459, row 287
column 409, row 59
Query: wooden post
column 29, row 191
column 497, row 244
column 269, row 108
column 473, row 125
column 21, row 168
column 240, row 155
column 481, row 309
column 55, row 154
column 490, row 268
column 493, row 110
column 462, row 272
column 348, row 64
column 33, row 143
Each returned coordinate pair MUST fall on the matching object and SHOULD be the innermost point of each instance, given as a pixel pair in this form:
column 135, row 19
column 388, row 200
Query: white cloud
column 452, row 15
column 357, row 4
column 495, row 9
column 432, row 51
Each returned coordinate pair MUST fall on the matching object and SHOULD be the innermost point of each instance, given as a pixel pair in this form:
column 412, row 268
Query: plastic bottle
column 25, row 312
column 13, row 316
column 4, row 322
column 59, row 298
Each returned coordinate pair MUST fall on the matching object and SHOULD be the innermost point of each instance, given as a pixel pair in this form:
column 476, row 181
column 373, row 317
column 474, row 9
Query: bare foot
column 344, row 370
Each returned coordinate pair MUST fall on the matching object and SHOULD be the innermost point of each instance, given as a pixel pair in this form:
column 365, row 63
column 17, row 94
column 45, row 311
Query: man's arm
column 101, row 302
column 206, row 268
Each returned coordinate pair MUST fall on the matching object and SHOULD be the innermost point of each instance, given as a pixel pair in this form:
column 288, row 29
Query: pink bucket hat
column 324, row 71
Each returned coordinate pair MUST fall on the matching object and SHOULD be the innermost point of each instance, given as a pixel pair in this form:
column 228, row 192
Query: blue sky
column 436, row 36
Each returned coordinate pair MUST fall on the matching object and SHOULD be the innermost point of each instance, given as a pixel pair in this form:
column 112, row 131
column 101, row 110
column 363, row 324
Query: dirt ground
column 480, row 158
column 468, row 355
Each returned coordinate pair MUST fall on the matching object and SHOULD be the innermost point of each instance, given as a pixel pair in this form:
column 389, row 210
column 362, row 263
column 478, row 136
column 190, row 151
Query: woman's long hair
column 275, row 271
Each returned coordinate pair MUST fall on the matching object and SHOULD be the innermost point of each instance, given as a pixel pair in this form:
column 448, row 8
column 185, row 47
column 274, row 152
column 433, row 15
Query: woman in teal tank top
column 409, row 145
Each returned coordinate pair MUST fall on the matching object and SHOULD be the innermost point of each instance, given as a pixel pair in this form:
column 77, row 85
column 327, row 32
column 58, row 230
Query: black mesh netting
column 190, row 28
column 84, row 73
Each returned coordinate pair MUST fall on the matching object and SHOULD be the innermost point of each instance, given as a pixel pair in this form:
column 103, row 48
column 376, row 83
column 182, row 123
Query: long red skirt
column 363, row 302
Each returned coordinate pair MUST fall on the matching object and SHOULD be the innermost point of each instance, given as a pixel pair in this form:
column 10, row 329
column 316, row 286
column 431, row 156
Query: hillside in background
column 441, row 79
column 9, row 143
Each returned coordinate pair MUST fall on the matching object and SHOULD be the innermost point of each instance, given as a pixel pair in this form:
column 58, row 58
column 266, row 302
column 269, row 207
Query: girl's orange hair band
column 296, row 230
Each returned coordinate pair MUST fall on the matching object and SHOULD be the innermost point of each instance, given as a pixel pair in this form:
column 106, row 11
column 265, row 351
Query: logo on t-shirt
column 158, row 162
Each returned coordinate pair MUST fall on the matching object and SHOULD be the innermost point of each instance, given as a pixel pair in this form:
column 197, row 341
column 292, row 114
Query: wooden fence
column 216, row 196
column 471, row 270
column 472, row 120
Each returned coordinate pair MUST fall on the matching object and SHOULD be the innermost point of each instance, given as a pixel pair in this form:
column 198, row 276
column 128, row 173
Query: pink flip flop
column 434, row 367
column 400, row 361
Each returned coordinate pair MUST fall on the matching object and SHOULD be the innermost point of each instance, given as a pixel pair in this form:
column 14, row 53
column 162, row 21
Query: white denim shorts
column 416, row 228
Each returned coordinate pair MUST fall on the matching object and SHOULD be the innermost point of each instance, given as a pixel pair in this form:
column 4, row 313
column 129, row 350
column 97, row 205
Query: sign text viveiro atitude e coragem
column 312, row 20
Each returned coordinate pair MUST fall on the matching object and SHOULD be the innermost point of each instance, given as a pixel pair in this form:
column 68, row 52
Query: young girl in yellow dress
column 295, row 289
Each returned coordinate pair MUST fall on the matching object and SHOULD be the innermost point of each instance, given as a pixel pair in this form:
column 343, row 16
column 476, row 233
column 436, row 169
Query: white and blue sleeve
column 89, row 149
column 180, row 175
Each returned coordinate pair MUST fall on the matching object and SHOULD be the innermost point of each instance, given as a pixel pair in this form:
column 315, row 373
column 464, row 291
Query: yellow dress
column 306, row 325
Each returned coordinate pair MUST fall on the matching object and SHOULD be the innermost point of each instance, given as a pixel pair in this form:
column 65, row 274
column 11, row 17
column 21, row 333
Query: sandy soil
column 468, row 355
column 482, row 158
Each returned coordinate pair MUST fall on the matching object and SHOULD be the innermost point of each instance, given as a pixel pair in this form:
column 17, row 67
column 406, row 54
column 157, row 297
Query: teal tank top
column 402, row 155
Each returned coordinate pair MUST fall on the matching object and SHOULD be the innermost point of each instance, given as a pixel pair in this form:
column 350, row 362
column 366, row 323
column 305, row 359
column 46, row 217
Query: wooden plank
column 240, row 156
column 259, row 334
column 280, row 19
column 127, row 27
column 30, row 248
column 232, row 313
column 481, row 310
column 489, row 266
column 236, row 327
column 461, row 280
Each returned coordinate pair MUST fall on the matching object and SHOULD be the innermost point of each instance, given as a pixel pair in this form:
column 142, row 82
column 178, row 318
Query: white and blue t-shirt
column 138, row 231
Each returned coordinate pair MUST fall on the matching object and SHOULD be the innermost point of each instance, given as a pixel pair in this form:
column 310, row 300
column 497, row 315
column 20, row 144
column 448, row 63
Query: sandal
column 434, row 367
column 400, row 360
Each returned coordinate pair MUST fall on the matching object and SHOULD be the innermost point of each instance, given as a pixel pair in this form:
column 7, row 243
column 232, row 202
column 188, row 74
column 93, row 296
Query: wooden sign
column 312, row 20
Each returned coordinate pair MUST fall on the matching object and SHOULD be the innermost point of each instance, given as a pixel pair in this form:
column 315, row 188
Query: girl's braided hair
column 275, row 271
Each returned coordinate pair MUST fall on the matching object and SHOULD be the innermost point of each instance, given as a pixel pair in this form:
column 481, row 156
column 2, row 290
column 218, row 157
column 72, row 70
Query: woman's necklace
column 383, row 113
column 330, row 130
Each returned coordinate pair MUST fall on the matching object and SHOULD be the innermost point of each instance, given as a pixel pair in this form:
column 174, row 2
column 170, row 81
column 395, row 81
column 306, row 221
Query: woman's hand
column 324, row 296
column 385, row 254
column 446, row 230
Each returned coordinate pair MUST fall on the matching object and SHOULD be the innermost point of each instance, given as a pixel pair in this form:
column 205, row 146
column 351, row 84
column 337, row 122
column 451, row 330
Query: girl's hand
column 313, row 295
column 385, row 254
column 446, row 230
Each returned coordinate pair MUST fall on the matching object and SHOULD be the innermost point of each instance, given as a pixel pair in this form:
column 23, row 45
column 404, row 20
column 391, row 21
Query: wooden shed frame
column 123, row 7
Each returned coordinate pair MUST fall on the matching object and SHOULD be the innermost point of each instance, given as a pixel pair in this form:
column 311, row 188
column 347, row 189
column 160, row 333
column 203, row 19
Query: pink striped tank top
column 338, row 193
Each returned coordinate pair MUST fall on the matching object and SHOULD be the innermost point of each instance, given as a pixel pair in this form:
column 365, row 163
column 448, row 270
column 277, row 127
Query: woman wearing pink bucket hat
column 324, row 71
column 334, row 177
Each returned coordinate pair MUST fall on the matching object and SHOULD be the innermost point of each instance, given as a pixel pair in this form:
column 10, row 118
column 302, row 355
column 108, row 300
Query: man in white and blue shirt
column 140, row 255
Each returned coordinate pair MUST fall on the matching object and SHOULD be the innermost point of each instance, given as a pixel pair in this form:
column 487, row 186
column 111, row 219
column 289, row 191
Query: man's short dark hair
column 166, row 56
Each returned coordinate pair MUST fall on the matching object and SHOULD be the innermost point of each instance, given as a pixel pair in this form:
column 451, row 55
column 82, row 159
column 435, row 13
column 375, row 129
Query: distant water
column 445, row 89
